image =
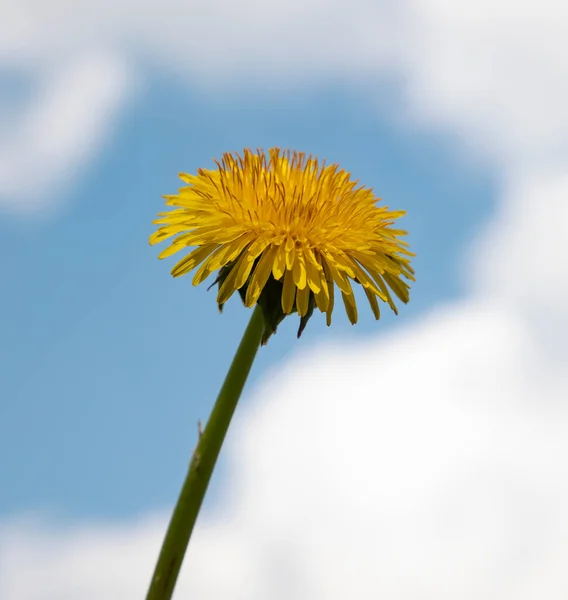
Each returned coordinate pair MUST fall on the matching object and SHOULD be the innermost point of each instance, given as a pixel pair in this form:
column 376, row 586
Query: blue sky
column 108, row 362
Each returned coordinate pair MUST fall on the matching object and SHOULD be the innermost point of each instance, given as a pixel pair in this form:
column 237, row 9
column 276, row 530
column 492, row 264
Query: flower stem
column 203, row 462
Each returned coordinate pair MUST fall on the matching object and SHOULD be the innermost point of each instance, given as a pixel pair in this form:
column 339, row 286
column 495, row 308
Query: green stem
column 202, row 464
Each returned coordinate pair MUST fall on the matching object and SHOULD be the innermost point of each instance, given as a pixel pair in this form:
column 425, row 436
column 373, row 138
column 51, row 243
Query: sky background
column 416, row 456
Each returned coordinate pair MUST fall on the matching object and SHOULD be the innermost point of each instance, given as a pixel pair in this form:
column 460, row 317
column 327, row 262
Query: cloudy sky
column 421, row 456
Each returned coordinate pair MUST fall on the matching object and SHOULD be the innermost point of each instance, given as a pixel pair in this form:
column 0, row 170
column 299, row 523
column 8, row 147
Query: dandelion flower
column 285, row 230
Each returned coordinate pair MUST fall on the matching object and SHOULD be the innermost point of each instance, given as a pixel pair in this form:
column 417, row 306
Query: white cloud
column 523, row 259
column 209, row 44
column 493, row 71
column 66, row 564
column 490, row 70
column 47, row 142
column 428, row 464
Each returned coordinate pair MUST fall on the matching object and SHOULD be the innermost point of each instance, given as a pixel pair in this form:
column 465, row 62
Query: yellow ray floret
column 283, row 217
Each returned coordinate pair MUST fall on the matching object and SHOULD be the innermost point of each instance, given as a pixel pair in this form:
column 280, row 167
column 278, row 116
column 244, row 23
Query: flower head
column 284, row 230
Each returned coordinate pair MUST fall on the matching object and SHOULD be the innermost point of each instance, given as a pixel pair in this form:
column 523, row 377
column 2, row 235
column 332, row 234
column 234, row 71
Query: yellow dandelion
column 284, row 230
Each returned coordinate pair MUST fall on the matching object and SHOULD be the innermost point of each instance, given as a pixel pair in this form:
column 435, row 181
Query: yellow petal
column 350, row 307
column 258, row 246
column 164, row 233
column 243, row 269
column 224, row 255
column 322, row 297
column 172, row 249
column 314, row 271
column 229, row 286
column 341, row 261
column 290, row 247
column 303, row 301
column 279, row 262
column 366, row 281
column 378, row 278
column 338, row 276
column 397, row 286
column 299, row 270
column 204, row 235
column 374, row 304
column 260, row 276
column 288, row 293
column 191, row 179
column 331, row 290
column 187, row 263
